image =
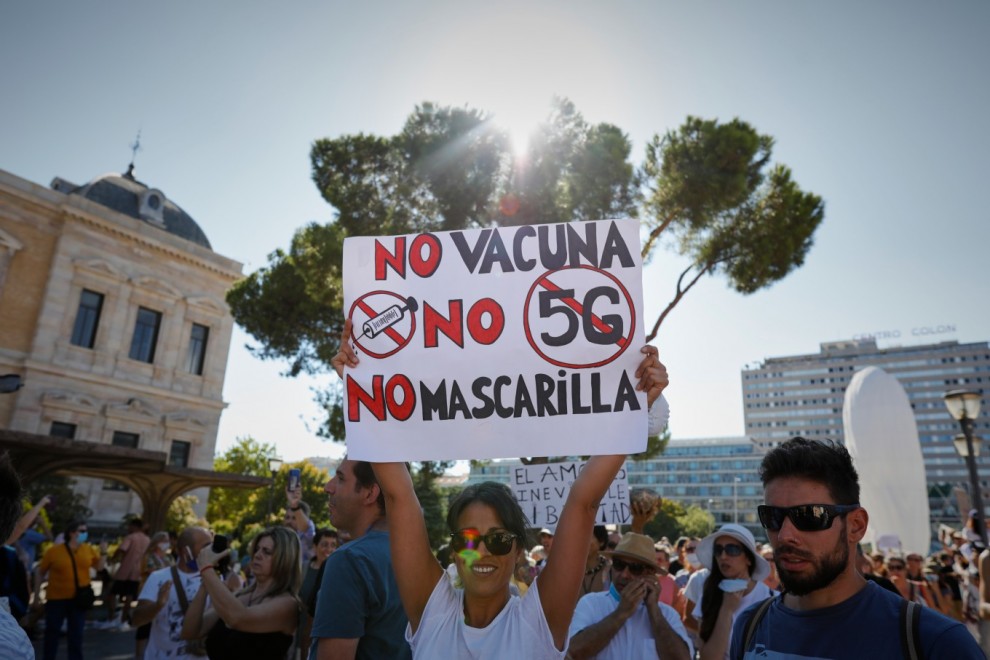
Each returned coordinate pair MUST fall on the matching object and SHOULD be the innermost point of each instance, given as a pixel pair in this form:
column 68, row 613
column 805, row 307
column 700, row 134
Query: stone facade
column 57, row 248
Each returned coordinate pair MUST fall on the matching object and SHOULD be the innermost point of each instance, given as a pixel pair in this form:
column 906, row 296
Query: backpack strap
column 910, row 627
column 180, row 591
column 75, row 571
column 754, row 621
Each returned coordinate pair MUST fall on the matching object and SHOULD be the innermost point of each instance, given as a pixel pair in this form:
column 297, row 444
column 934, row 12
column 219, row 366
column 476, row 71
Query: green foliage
column 675, row 520
column 66, row 504
column 709, row 186
column 697, row 522
column 181, row 515
column 240, row 513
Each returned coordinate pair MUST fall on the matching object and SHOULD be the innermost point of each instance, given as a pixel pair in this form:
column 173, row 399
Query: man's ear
column 857, row 521
column 371, row 494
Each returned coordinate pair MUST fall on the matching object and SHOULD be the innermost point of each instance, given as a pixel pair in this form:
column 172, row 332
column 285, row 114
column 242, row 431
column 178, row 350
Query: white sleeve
column 584, row 616
column 674, row 621
column 150, row 589
column 658, row 416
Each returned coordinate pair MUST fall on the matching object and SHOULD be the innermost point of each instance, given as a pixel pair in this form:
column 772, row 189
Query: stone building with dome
column 112, row 315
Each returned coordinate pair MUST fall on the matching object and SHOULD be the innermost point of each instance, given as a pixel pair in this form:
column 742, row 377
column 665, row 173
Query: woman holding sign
column 474, row 615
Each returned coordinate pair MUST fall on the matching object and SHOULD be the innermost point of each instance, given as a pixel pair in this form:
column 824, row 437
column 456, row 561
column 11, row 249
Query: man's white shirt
column 635, row 638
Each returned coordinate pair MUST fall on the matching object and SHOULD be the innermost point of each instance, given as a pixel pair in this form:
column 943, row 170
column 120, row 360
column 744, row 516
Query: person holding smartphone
column 260, row 621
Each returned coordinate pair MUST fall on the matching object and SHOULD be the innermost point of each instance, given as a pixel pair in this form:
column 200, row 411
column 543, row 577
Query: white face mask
column 692, row 558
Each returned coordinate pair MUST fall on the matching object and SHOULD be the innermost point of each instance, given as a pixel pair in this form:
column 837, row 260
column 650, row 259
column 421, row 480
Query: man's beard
column 827, row 568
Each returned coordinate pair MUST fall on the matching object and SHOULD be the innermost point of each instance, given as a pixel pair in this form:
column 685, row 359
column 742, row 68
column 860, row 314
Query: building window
column 87, row 319
column 178, row 455
column 197, row 348
column 145, row 335
column 121, row 439
column 124, row 439
column 63, row 430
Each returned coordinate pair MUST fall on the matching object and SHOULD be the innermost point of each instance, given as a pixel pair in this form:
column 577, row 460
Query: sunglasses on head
column 497, row 542
column 634, row 567
column 806, row 517
column 731, row 549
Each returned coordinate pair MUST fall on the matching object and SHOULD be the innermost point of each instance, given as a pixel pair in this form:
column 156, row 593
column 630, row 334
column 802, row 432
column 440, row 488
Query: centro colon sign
column 915, row 332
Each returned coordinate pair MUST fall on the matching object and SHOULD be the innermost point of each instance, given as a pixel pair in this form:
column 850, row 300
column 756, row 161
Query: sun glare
column 520, row 122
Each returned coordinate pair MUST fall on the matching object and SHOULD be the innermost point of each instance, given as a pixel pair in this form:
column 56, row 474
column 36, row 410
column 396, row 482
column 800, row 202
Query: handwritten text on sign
column 541, row 491
column 489, row 343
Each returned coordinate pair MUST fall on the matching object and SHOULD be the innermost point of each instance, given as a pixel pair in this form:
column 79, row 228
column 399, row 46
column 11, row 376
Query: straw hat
column 635, row 546
column 761, row 568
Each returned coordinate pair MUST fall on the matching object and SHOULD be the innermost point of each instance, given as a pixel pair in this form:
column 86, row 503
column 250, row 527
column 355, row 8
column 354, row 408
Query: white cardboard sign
column 500, row 342
column 541, row 491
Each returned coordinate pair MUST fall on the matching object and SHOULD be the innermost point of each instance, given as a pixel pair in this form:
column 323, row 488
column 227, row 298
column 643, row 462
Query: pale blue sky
column 879, row 107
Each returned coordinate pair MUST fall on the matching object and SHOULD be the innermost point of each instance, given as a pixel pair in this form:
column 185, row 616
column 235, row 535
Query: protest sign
column 487, row 343
column 541, row 491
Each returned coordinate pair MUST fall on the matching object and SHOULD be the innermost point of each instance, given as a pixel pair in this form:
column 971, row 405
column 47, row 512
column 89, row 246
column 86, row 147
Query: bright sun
column 520, row 122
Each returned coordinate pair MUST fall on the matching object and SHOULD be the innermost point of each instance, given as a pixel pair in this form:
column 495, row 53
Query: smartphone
column 294, row 478
column 220, row 544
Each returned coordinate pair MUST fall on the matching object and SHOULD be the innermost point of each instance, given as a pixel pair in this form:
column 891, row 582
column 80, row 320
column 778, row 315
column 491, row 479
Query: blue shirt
column 359, row 598
column 864, row 626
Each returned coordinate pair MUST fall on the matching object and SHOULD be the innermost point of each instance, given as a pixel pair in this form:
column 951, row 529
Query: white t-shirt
column 695, row 585
column 759, row 593
column 166, row 628
column 519, row 631
column 635, row 637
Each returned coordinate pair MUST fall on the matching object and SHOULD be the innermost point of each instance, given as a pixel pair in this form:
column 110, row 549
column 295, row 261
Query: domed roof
column 125, row 194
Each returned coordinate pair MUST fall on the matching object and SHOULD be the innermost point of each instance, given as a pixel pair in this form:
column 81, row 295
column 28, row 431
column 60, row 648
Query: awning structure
column 145, row 472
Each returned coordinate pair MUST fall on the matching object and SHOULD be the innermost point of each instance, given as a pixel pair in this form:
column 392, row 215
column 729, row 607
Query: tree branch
column 655, row 234
column 678, row 295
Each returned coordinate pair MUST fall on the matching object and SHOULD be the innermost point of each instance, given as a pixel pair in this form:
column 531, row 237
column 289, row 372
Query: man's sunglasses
column 731, row 549
column 806, row 517
column 634, row 568
column 498, row 543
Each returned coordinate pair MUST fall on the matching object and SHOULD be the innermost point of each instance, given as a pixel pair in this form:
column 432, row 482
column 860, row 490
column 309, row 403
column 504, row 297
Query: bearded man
column 828, row 610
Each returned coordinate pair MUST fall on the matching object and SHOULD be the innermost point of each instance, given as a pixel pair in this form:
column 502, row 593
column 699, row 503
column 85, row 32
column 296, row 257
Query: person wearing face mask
column 157, row 556
column 67, row 568
column 691, row 580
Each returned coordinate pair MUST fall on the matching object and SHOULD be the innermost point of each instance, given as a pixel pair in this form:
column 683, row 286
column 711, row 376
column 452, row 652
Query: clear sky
column 879, row 107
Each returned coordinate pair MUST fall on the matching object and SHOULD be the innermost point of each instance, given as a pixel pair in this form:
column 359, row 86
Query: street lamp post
column 964, row 406
column 735, row 500
column 274, row 465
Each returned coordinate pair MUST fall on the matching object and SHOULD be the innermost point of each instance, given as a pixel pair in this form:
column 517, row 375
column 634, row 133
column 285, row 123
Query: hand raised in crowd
column 207, row 557
column 346, row 355
column 294, row 497
column 652, row 597
column 731, row 600
column 163, row 592
column 652, row 375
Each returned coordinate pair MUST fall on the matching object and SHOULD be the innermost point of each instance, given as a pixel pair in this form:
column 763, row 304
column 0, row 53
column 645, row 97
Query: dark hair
column 136, row 522
column 72, row 526
column 10, row 497
column 497, row 496
column 711, row 596
column 827, row 463
column 324, row 531
column 365, row 476
column 601, row 535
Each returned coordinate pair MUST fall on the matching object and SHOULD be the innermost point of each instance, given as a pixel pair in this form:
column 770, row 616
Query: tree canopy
column 709, row 187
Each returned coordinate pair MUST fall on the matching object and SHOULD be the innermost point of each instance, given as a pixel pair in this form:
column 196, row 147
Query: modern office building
column 717, row 474
column 804, row 394
column 114, row 318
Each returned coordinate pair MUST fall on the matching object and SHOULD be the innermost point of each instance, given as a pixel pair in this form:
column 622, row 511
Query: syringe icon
column 388, row 318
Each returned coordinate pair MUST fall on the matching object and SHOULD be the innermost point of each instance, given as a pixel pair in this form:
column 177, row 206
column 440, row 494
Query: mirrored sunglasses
column 497, row 542
column 805, row 517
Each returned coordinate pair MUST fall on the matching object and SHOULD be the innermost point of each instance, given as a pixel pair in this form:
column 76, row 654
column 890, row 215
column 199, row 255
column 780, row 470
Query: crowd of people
column 373, row 587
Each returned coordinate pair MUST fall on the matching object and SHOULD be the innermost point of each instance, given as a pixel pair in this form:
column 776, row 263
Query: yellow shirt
column 61, row 585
